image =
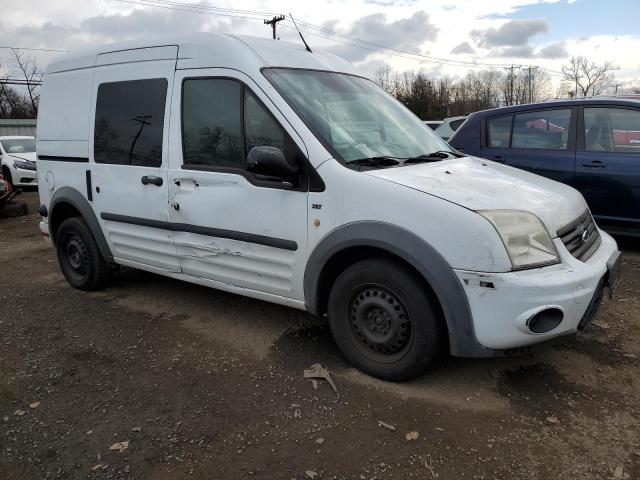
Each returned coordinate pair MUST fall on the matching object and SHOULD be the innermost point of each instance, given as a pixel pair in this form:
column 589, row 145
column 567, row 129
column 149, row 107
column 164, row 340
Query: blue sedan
column 591, row 144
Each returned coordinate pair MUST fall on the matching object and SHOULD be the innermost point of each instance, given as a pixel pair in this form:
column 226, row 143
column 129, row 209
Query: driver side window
column 222, row 120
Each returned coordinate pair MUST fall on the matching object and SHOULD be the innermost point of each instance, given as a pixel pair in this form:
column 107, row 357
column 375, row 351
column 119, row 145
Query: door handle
column 497, row 158
column 147, row 179
column 595, row 164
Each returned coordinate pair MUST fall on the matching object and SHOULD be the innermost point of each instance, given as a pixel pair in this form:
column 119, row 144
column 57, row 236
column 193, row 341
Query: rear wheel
column 79, row 257
column 384, row 319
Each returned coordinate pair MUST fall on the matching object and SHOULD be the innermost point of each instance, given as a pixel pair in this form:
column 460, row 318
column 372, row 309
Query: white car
column 432, row 124
column 448, row 126
column 257, row 167
column 18, row 156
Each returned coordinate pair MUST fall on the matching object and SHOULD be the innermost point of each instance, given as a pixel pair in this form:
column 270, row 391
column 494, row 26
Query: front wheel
column 6, row 173
column 385, row 320
column 79, row 256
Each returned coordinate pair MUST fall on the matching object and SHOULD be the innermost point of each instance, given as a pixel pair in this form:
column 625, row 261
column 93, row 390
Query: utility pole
column 510, row 75
column 616, row 87
column 530, row 82
column 273, row 23
column 142, row 120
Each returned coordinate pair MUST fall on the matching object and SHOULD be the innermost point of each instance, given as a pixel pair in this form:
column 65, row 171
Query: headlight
column 526, row 239
column 26, row 165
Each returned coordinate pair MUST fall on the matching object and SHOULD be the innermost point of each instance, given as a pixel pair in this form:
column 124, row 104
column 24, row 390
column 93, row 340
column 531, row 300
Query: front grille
column 581, row 237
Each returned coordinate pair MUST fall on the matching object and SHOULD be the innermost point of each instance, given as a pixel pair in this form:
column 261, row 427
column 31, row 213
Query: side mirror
column 270, row 162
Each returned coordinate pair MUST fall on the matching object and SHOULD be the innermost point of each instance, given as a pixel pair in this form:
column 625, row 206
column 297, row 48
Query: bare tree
column 33, row 78
column 589, row 78
column 382, row 77
column 13, row 104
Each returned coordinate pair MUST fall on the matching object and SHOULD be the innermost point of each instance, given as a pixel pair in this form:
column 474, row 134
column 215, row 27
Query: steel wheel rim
column 379, row 323
column 76, row 254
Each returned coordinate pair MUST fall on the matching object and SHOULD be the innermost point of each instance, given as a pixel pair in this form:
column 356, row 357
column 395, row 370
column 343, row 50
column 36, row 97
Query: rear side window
column 499, row 131
column 130, row 122
column 545, row 129
column 612, row 130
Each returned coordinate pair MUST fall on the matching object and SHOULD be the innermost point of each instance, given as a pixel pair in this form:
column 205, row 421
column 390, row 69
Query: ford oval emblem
column 585, row 235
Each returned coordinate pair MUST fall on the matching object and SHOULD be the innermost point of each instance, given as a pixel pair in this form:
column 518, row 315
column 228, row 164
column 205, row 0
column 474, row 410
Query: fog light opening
column 545, row 320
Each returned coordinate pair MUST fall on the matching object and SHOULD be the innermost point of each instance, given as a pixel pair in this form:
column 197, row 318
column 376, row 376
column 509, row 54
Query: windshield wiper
column 433, row 157
column 376, row 161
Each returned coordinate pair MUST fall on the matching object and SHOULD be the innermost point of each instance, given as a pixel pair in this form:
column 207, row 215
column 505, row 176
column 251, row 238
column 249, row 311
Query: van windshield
column 19, row 145
column 354, row 118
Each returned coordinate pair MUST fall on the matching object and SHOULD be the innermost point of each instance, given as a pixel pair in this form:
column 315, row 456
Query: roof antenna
column 303, row 41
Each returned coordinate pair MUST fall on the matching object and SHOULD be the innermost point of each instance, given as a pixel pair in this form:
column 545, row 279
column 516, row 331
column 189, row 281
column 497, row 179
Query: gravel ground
column 203, row 384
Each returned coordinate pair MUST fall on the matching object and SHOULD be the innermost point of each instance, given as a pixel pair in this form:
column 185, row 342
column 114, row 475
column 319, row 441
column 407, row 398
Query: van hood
column 479, row 184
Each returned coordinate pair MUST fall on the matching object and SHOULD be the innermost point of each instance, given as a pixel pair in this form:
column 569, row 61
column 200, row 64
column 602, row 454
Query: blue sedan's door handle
column 497, row 158
column 595, row 164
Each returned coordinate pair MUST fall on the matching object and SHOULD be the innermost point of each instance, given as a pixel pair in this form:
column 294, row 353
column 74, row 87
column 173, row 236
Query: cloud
column 551, row 51
column 404, row 34
column 463, row 47
column 512, row 33
column 554, row 50
column 141, row 23
column 101, row 29
column 389, row 3
column 519, row 51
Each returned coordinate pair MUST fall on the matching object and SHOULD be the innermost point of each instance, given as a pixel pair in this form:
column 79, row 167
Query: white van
column 260, row 168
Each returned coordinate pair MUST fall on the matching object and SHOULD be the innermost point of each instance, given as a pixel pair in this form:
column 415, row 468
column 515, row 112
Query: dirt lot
column 205, row 384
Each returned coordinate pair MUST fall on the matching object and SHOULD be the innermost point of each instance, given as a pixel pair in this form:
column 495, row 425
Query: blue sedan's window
column 499, row 131
column 544, row 129
column 612, row 130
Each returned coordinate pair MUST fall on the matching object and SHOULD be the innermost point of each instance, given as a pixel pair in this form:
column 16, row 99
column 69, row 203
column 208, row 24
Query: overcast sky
column 544, row 33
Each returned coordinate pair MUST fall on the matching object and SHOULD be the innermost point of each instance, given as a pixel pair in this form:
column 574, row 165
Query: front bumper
column 24, row 178
column 503, row 303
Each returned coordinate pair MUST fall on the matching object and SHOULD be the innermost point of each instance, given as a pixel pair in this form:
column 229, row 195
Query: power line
column 33, row 49
column 351, row 37
column 209, row 7
column 321, row 32
column 21, row 82
column 151, row 3
column 407, row 55
column 325, row 33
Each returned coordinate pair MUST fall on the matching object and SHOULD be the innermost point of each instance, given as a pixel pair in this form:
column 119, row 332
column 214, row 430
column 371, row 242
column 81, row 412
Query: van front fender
column 400, row 242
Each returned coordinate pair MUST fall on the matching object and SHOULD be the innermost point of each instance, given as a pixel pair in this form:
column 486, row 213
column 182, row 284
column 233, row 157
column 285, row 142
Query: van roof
column 203, row 50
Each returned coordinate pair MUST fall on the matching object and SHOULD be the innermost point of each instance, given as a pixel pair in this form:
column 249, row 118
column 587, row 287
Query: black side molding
column 89, row 187
column 53, row 158
column 211, row 232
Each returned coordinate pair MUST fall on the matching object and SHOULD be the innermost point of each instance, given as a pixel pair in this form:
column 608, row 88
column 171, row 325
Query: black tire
column 6, row 173
column 385, row 320
column 79, row 257
column 14, row 209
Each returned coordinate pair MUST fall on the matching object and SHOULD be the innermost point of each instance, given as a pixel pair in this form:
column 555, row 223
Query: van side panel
column 62, row 135
column 63, row 119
